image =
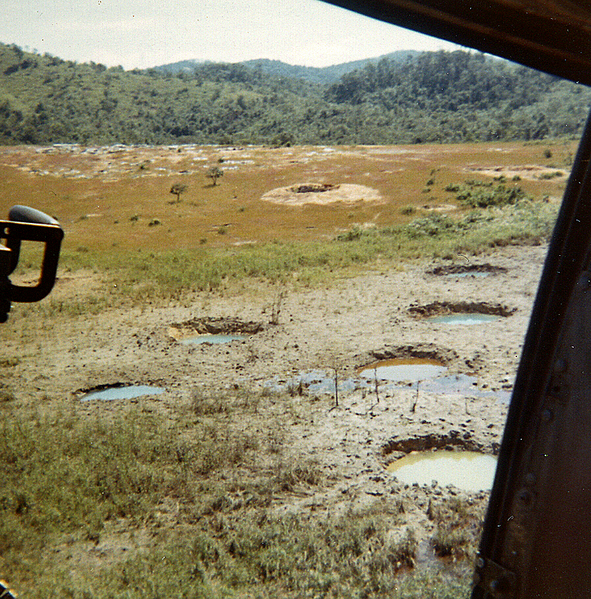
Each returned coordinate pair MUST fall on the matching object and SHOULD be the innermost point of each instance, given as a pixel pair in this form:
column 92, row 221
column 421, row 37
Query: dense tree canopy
column 427, row 97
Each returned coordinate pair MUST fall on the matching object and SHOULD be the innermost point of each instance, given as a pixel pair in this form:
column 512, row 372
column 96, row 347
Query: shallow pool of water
column 468, row 470
column 403, row 369
column 463, row 319
column 213, row 339
column 315, row 382
column 128, row 392
column 472, row 273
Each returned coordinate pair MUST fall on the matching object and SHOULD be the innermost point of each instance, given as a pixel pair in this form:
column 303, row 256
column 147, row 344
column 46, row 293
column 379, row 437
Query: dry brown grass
column 125, row 203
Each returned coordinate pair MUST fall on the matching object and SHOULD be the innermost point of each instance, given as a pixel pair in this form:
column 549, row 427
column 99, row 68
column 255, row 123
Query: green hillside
column 428, row 97
column 322, row 75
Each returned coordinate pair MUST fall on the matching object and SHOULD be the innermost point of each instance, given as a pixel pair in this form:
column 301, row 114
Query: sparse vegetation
column 214, row 173
column 458, row 528
column 177, row 189
column 137, row 277
column 131, row 471
column 188, row 498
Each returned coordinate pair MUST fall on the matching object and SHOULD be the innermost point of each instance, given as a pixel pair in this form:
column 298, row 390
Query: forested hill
column 321, row 75
column 428, row 97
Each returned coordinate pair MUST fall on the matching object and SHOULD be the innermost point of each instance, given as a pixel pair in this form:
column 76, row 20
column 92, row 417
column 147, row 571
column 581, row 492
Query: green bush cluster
column 477, row 194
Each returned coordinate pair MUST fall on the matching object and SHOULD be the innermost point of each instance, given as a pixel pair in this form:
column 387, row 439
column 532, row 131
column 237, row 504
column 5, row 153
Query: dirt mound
column 213, row 326
column 440, row 308
column 451, row 440
column 322, row 193
column 465, row 269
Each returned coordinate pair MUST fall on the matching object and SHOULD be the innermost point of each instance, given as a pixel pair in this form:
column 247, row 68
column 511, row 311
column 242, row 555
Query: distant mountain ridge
column 277, row 68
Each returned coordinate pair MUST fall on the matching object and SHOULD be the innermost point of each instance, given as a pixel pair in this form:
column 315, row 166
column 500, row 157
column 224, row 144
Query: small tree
column 214, row 173
column 177, row 189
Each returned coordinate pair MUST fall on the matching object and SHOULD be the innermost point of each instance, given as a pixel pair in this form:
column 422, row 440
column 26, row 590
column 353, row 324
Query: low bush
column 484, row 195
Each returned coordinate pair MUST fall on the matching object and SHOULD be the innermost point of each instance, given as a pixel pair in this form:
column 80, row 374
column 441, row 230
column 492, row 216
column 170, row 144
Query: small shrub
column 552, row 175
column 434, row 225
column 485, row 196
column 351, row 235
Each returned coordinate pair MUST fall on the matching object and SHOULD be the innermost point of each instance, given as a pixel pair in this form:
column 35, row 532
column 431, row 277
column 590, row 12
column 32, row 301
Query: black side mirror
column 27, row 224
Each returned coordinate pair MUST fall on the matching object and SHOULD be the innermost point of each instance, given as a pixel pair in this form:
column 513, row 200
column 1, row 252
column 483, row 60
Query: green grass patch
column 140, row 276
column 72, row 482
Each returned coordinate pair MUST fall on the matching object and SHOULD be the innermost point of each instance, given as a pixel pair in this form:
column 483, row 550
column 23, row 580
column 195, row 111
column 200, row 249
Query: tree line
column 426, row 97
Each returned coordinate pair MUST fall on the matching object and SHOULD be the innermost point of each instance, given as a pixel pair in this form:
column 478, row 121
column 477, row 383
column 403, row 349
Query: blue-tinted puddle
column 461, row 271
column 316, row 382
column 463, row 275
column 319, row 382
column 463, row 319
column 213, row 339
column 393, row 374
column 403, row 369
column 468, row 470
column 129, row 392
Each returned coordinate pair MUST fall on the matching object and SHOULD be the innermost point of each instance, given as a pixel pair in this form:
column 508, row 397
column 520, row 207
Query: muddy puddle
column 403, row 369
column 467, row 470
column 122, row 392
column 465, row 313
column 211, row 339
column 314, row 382
column 395, row 374
column 461, row 271
column 463, row 319
column 212, row 331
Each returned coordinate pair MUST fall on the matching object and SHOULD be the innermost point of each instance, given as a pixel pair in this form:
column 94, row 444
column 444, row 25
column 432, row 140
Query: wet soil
column 339, row 328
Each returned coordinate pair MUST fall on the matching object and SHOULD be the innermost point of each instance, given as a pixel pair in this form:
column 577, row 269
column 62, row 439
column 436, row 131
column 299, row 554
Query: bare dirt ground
column 344, row 326
column 297, row 195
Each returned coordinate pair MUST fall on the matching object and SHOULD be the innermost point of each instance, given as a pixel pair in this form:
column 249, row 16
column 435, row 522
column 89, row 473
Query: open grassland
column 120, row 218
column 197, row 496
column 118, row 200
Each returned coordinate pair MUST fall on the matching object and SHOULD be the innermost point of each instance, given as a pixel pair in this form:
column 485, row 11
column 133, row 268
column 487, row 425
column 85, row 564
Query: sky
column 147, row 33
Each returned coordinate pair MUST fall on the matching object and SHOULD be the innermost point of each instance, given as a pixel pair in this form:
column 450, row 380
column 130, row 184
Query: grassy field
column 193, row 490
column 121, row 219
column 122, row 200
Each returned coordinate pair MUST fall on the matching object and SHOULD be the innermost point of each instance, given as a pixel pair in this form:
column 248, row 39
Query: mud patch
column 419, row 351
column 447, row 308
column 466, row 270
column 213, row 326
column 451, row 441
column 322, row 193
